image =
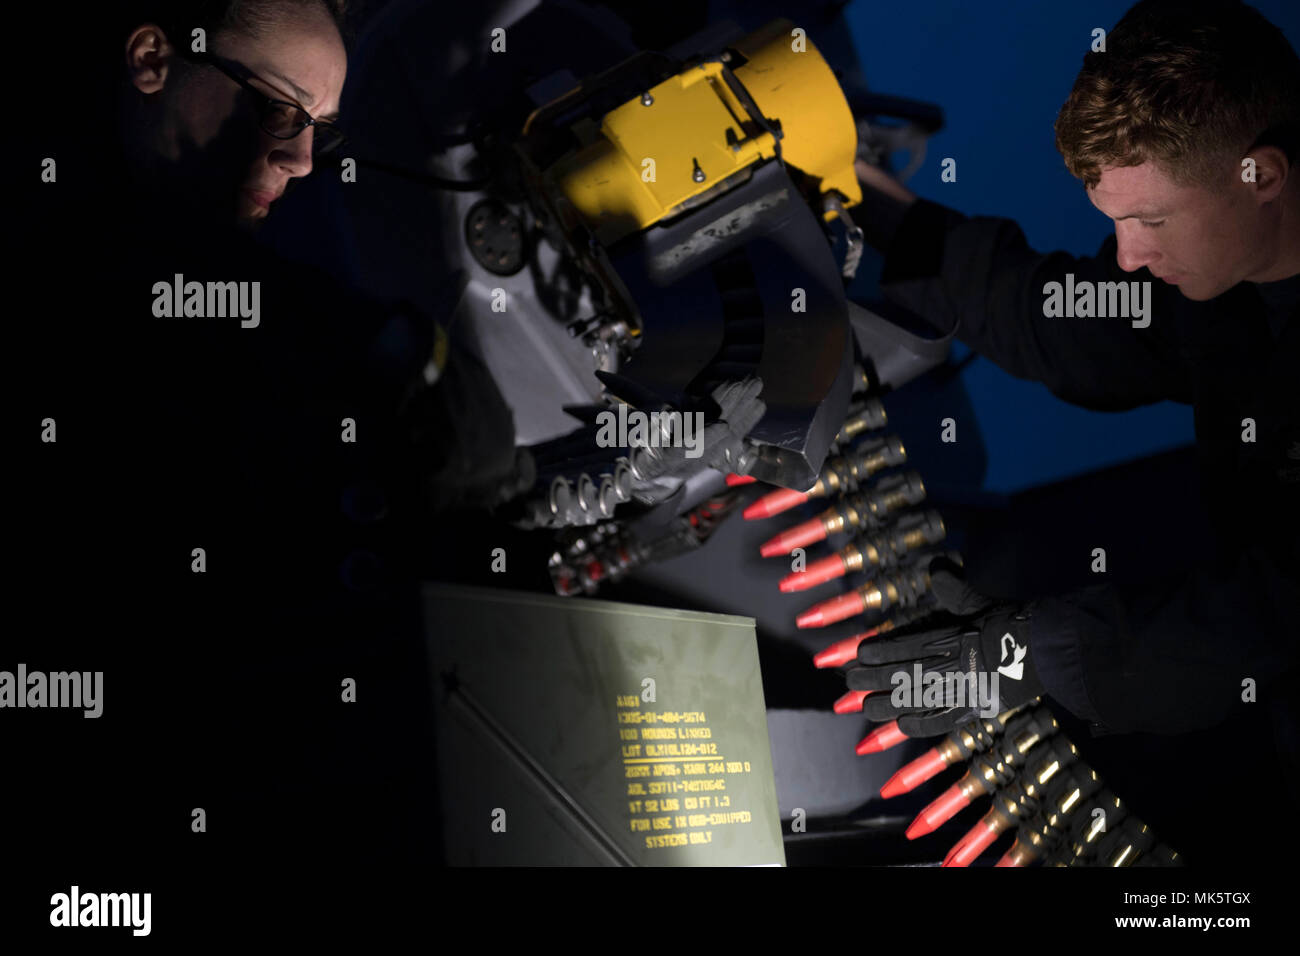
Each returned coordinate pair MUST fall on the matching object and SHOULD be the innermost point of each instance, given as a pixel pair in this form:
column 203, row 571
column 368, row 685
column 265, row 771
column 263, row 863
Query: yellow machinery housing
column 693, row 136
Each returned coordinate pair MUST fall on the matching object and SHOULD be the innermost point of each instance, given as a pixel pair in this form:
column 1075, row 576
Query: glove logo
column 1016, row 668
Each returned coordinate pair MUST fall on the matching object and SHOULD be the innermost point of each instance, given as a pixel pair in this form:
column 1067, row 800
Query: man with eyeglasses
column 241, row 117
column 246, row 492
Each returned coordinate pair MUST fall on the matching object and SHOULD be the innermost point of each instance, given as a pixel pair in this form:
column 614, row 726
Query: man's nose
column 1133, row 250
column 294, row 155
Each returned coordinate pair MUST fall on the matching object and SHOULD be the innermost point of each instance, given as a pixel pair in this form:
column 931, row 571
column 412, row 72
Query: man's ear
column 148, row 57
column 1271, row 171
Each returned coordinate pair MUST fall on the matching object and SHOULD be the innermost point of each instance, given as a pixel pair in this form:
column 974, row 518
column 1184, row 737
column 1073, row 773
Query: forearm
column 1174, row 657
column 978, row 276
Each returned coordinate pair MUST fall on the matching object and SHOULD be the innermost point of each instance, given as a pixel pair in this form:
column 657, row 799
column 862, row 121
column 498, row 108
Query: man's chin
column 249, row 214
column 1199, row 291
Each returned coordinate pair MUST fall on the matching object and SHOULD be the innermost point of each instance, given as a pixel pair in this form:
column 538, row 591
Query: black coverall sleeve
column 1167, row 657
column 980, row 275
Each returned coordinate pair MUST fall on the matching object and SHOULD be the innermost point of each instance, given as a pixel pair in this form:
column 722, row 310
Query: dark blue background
column 1001, row 72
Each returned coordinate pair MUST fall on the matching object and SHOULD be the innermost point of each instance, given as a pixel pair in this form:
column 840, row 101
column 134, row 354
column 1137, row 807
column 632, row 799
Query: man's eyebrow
column 304, row 98
column 1150, row 212
column 1143, row 214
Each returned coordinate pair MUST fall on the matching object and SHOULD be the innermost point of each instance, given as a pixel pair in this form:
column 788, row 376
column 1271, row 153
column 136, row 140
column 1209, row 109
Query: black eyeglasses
column 279, row 118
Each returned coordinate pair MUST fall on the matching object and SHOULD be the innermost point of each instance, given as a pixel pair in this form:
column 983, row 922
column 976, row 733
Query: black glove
column 462, row 437
column 972, row 660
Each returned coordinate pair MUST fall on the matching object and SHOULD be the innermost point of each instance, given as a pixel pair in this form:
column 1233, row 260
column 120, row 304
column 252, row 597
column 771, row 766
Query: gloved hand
column 973, row 660
column 454, row 432
column 462, row 438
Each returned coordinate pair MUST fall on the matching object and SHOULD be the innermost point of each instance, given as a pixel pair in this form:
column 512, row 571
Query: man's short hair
column 1189, row 84
column 253, row 17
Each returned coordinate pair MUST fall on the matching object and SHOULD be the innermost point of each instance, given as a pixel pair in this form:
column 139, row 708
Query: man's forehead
column 1125, row 191
column 1146, row 177
column 308, row 68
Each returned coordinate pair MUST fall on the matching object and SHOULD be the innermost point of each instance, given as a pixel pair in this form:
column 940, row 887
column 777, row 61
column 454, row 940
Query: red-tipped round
column 829, row 612
column 774, row 502
column 841, row 652
column 951, row 802
column 810, row 532
column 914, row 774
column 810, row 618
column 851, row 703
column 735, row 481
column 975, row 842
column 882, row 738
column 819, row 572
column 1006, row 860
